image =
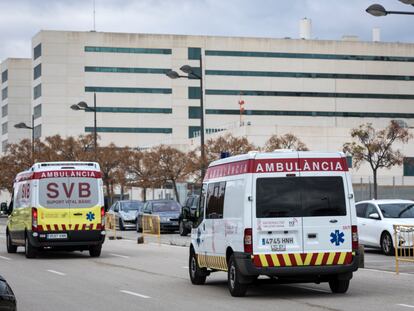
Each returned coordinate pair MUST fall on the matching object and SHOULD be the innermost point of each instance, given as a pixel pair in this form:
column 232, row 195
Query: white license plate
column 57, row 236
column 278, row 244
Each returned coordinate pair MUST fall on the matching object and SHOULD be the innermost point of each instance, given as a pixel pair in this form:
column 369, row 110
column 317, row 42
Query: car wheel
column 387, row 244
column 29, row 250
column 10, row 247
column 339, row 286
column 182, row 229
column 236, row 288
column 95, row 250
column 121, row 225
column 197, row 275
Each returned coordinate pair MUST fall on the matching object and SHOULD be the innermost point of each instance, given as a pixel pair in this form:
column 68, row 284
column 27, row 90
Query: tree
column 170, row 164
column 375, row 147
column 227, row 143
column 287, row 141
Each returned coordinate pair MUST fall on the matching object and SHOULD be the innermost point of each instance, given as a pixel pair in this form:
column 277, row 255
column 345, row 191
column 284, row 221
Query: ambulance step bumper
column 74, row 238
column 247, row 268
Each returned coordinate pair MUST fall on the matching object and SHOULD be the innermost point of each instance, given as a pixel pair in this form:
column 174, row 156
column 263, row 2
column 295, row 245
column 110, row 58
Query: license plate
column 278, row 244
column 57, row 236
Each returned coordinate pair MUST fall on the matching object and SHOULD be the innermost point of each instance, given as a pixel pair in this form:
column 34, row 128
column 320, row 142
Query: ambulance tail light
column 34, row 219
column 103, row 217
column 248, row 240
column 355, row 238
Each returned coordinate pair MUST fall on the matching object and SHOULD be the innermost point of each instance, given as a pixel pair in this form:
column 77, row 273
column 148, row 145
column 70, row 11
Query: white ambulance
column 287, row 215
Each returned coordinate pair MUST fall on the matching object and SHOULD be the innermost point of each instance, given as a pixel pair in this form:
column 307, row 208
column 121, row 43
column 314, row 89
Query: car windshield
column 131, row 206
column 397, row 210
column 165, row 207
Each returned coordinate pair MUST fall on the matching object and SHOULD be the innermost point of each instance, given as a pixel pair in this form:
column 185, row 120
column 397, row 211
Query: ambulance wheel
column 236, row 288
column 121, row 225
column 10, row 247
column 29, row 250
column 339, row 286
column 197, row 275
column 386, row 244
column 182, row 229
column 95, row 250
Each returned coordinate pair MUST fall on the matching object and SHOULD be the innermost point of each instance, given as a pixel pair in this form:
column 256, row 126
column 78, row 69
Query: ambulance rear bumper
column 246, row 267
column 74, row 238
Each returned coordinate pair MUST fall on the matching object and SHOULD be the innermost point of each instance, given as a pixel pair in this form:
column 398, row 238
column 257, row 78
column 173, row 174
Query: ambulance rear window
column 300, row 197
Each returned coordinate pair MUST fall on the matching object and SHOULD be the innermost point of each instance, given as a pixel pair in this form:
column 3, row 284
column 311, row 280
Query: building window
column 37, row 51
column 37, row 111
column 194, row 131
column 194, row 53
column 127, row 70
column 4, row 144
column 133, row 110
column 408, row 165
column 147, row 130
column 310, row 75
column 4, row 128
column 37, row 71
column 108, row 49
column 4, row 76
column 37, row 131
column 194, row 112
column 310, row 56
column 194, row 92
column 4, row 93
column 37, row 91
column 307, row 94
column 343, row 114
column 105, row 89
column 4, row 110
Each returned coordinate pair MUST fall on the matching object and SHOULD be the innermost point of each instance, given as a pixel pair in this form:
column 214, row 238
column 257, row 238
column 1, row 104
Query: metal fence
column 151, row 226
column 404, row 244
column 393, row 187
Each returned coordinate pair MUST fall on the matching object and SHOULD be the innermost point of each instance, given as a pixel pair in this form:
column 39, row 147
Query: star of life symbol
column 90, row 216
column 337, row 237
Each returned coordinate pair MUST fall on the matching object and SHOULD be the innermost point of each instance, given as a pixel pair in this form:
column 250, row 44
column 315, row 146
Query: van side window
column 215, row 200
column 200, row 211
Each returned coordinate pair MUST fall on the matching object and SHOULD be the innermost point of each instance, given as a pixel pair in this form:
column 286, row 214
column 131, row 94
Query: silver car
column 126, row 213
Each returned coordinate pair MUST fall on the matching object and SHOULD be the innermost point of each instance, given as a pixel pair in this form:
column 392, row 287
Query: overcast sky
column 21, row 19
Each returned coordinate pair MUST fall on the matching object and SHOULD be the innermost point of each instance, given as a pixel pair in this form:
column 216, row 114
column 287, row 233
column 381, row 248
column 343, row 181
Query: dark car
column 188, row 214
column 7, row 298
column 167, row 210
column 126, row 212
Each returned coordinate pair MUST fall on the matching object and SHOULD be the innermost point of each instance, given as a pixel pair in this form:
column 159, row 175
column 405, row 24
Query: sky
column 20, row 20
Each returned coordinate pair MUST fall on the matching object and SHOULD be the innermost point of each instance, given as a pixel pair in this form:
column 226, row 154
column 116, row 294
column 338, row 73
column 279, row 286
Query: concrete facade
column 16, row 97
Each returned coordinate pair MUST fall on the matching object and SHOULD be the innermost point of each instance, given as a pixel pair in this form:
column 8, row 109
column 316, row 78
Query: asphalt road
column 130, row 276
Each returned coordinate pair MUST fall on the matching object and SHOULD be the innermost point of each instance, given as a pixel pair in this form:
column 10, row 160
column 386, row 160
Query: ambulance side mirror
column 3, row 207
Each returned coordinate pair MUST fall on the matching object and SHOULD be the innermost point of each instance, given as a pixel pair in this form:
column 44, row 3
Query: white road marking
column 56, row 272
column 5, row 258
column 389, row 272
column 314, row 289
column 120, row 256
column 403, row 305
column 134, row 294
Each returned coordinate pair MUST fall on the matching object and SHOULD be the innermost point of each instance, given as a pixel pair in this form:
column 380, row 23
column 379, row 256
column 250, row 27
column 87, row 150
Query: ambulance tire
column 339, row 286
column 95, row 250
column 11, row 249
column 29, row 250
column 236, row 288
column 197, row 275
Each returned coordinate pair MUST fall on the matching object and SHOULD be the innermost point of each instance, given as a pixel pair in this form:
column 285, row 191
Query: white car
column 376, row 219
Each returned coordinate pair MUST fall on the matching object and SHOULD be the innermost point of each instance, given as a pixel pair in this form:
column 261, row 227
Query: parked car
column 168, row 210
column 376, row 219
column 126, row 213
column 7, row 298
column 188, row 215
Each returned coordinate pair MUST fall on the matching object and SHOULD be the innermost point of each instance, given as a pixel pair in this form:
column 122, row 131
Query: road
column 131, row 276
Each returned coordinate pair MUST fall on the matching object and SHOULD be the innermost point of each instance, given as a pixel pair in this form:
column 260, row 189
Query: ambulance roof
column 49, row 166
column 279, row 154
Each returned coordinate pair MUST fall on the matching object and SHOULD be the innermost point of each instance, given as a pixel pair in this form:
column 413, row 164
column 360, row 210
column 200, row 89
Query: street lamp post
column 379, row 10
column 191, row 73
column 84, row 106
column 23, row 125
